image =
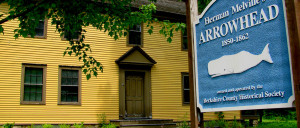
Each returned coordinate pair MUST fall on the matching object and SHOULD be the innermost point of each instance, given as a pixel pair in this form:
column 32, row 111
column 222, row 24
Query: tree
column 114, row 17
column 202, row 4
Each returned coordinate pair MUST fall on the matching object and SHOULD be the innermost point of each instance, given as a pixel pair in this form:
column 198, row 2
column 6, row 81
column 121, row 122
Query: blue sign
column 242, row 58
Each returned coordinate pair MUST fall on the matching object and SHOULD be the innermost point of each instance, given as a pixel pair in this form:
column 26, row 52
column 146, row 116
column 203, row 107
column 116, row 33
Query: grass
column 267, row 123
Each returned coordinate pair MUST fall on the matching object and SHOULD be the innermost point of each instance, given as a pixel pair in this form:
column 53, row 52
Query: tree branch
column 10, row 17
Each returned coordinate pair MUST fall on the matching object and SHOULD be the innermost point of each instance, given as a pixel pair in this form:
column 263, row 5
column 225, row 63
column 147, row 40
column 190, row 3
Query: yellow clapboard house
column 143, row 79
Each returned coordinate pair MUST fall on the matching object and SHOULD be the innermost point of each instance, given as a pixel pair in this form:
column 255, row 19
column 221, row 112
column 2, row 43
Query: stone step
column 144, row 123
column 165, row 125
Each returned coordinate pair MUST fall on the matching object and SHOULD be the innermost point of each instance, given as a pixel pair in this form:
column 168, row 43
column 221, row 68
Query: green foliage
column 110, row 125
column 31, row 126
column 236, row 124
column 280, row 114
column 71, row 17
column 184, row 124
column 267, row 123
column 101, row 119
column 210, row 124
column 202, row 4
column 81, row 125
column 64, row 126
column 47, row 126
column 8, row 125
column 102, row 122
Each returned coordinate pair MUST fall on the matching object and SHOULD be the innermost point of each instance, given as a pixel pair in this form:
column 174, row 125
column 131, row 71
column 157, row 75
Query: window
column 33, row 84
column 184, row 40
column 69, row 85
column 74, row 36
column 186, row 88
column 135, row 36
column 41, row 29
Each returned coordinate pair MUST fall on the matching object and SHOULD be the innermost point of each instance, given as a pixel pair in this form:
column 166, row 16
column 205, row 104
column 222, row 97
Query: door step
column 145, row 123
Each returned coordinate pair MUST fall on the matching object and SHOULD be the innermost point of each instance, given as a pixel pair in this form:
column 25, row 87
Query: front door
column 134, row 95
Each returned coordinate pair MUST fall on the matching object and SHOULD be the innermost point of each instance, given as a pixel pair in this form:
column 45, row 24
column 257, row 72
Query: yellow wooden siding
column 228, row 115
column 99, row 95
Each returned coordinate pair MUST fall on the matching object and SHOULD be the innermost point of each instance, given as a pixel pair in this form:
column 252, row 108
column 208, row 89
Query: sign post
column 242, row 56
column 291, row 6
column 191, row 14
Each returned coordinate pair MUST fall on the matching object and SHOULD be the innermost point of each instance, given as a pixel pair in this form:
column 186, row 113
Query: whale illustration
column 237, row 63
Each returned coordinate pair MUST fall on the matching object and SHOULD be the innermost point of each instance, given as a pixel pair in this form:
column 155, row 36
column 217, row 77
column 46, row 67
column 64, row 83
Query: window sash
column 135, row 35
column 69, row 86
column 33, row 84
column 185, row 89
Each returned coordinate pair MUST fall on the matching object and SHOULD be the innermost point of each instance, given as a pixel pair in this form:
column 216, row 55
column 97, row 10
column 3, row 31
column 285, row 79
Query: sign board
column 242, row 58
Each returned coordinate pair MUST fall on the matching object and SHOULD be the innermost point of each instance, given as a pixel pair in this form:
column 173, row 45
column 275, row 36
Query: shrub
column 78, row 125
column 110, row 125
column 184, row 124
column 47, row 126
column 64, row 126
column 8, row 125
column 101, row 119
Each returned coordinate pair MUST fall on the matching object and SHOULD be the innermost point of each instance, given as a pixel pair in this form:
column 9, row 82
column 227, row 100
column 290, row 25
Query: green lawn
column 277, row 124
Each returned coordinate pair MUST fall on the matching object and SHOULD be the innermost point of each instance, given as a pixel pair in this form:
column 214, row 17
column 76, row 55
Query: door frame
column 147, row 91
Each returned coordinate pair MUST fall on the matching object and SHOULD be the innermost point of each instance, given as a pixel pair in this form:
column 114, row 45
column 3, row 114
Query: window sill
column 69, row 103
column 32, row 103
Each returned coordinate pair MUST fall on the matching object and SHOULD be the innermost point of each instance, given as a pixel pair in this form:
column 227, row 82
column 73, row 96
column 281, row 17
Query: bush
column 47, row 126
column 287, row 113
column 78, row 125
column 64, row 126
column 8, row 125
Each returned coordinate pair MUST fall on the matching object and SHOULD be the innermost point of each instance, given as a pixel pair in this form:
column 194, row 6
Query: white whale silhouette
column 237, row 63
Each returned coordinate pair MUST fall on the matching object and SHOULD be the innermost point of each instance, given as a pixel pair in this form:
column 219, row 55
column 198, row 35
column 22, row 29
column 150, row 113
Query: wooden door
column 134, row 95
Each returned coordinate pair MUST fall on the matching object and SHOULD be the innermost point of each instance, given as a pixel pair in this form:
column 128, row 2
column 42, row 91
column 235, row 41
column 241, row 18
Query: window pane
column 32, row 97
column 69, row 73
column 186, row 96
column 135, row 35
column 75, row 74
column 69, row 93
column 27, row 88
column 185, row 44
column 39, row 97
column 27, row 79
column 64, row 73
column 33, row 89
column 135, row 38
column 33, row 77
column 68, row 81
column 33, row 71
column 39, row 89
column 69, row 98
column 186, row 82
column 33, row 80
column 39, row 30
column 26, row 96
column 63, row 97
column 39, row 72
column 39, row 79
column 75, row 98
column 74, row 81
column 63, row 81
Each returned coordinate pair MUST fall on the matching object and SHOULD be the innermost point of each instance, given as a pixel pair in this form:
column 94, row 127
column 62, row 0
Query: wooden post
column 191, row 14
column 295, row 50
